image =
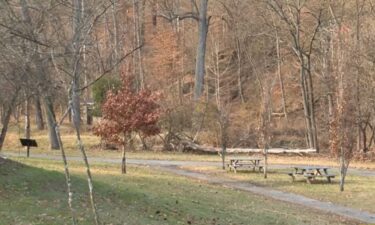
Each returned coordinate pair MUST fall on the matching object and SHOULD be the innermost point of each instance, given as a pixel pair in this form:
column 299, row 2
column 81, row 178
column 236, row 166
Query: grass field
column 33, row 192
column 359, row 190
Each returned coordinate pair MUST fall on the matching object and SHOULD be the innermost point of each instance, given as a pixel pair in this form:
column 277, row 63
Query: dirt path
column 173, row 167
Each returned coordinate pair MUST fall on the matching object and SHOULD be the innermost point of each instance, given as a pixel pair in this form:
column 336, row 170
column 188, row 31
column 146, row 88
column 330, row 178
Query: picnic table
column 311, row 173
column 245, row 162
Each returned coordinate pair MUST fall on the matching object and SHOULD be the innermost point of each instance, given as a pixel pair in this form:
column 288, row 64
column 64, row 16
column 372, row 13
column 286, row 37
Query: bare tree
column 342, row 136
column 293, row 16
column 200, row 15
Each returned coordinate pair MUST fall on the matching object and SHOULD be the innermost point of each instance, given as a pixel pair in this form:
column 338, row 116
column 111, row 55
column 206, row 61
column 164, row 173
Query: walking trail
column 174, row 167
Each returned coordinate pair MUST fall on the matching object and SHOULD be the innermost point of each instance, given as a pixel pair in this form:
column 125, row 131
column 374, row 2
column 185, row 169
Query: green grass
column 33, row 192
column 359, row 190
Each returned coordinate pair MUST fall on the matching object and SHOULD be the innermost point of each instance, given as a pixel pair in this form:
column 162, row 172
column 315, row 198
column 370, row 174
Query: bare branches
column 111, row 68
column 24, row 36
column 171, row 16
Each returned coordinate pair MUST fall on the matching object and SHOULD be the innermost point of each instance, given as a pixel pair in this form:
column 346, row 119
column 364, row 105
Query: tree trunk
column 143, row 141
column 123, row 160
column 27, row 122
column 239, row 70
column 2, row 114
column 310, row 92
column 201, row 50
column 330, row 107
column 76, row 102
column 76, row 67
column 84, row 156
column 51, row 118
column 7, row 115
column 85, row 75
column 138, row 65
column 343, row 170
column 115, row 37
column 306, row 106
column 67, row 175
column 279, row 74
column 265, row 167
column 38, row 114
column 363, row 137
column 223, row 152
column 78, row 30
column 224, row 138
column 154, row 13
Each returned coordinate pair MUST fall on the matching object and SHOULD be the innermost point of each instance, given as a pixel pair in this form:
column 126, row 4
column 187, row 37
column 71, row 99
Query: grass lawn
column 359, row 190
column 33, row 192
column 92, row 144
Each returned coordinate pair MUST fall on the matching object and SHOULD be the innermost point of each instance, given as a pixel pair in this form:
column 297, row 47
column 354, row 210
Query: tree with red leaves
column 127, row 111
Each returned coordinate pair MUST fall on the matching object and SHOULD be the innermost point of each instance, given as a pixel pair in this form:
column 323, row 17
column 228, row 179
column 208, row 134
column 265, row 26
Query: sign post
column 28, row 143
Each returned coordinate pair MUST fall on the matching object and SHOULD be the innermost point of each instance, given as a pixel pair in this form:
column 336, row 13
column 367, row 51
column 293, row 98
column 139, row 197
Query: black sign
column 28, row 142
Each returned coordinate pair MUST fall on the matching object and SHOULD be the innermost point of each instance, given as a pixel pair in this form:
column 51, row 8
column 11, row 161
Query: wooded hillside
column 231, row 73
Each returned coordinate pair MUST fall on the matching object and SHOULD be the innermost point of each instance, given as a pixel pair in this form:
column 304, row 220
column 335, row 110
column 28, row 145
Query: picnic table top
column 245, row 158
column 311, row 167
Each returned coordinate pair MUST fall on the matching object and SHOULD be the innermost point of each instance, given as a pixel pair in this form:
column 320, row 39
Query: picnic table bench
column 311, row 173
column 245, row 163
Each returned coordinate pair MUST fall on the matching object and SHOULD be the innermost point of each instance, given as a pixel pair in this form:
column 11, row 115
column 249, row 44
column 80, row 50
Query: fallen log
column 271, row 150
column 189, row 146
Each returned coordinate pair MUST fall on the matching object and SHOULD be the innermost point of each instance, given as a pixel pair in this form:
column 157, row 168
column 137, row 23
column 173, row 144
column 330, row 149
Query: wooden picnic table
column 311, row 173
column 245, row 162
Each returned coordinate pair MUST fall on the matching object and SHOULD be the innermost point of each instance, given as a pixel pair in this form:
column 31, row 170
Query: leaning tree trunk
column 51, row 118
column 201, row 50
column 88, row 171
column 66, row 170
column 75, row 94
column 7, row 115
column 38, row 114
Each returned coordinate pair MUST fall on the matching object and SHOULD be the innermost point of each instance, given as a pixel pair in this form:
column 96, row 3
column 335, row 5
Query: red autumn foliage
column 128, row 111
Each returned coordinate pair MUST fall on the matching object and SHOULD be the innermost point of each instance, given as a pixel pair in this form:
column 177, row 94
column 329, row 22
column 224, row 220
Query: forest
column 297, row 73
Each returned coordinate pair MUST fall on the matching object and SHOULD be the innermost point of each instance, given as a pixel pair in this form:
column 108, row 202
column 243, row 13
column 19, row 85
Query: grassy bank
column 33, row 192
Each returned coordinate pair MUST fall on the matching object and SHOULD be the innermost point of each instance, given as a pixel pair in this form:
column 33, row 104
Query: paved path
column 278, row 195
column 150, row 162
column 173, row 167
